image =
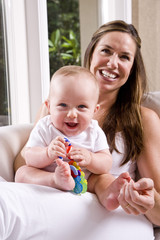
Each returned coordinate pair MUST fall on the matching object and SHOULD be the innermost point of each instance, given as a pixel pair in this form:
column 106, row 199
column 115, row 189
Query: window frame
column 28, row 57
column 114, row 10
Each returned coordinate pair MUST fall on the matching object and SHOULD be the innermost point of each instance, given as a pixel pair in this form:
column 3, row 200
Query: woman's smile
column 108, row 76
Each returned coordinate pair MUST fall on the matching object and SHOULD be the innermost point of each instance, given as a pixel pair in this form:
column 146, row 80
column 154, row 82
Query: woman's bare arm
column 143, row 197
column 149, row 160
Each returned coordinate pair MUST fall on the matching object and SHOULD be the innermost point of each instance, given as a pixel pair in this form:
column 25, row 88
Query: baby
column 72, row 103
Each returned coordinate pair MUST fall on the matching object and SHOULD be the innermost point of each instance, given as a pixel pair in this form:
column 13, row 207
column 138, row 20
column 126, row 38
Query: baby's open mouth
column 71, row 124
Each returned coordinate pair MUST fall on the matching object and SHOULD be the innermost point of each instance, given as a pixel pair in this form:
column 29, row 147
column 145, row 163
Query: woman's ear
column 96, row 108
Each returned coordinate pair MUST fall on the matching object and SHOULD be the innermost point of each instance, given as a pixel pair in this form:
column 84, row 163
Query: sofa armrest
column 12, row 139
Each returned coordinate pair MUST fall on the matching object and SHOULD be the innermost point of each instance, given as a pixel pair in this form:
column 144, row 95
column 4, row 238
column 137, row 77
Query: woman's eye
column 125, row 57
column 106, row 51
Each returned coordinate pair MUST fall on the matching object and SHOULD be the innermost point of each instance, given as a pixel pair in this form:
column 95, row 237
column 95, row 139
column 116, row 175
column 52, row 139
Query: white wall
column 146, row 18
column 88, row 13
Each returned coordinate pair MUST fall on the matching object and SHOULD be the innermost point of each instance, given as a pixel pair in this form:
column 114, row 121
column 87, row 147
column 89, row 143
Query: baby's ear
column 96, row 108
column 47, row 103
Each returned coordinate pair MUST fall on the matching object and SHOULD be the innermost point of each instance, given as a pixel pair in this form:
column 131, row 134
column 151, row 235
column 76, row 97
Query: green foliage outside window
column 64, row 33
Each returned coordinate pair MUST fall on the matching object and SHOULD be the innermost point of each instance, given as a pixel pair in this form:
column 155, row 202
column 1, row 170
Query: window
column 64, row 33
column 5, row 116
column 28, row 57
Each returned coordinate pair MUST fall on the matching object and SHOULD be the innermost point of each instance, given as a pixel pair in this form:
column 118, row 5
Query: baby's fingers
column 59, row 141
column 74, row 153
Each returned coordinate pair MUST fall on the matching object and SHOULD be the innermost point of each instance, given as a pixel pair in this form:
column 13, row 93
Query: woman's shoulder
column 148, row 113
column 149, row 117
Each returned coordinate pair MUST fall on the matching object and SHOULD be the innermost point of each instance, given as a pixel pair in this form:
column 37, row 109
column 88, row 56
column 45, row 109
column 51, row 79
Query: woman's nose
column 113, row 61
column 72, row 113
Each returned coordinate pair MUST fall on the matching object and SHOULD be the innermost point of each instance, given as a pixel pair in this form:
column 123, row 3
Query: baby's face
column 72, row 103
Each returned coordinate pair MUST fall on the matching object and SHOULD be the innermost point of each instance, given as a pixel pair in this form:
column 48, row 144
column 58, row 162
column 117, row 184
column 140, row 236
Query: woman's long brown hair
column 125, row 113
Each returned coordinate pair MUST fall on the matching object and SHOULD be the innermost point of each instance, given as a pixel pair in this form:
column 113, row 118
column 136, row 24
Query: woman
column 114, row 57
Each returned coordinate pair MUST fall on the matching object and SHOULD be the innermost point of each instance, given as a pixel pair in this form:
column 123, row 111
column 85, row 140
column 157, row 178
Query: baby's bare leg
column 60, row 179
column 107, row 188
column 62, row 176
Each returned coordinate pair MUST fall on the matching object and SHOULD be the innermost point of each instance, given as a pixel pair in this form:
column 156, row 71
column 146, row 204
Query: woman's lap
column 36, row 212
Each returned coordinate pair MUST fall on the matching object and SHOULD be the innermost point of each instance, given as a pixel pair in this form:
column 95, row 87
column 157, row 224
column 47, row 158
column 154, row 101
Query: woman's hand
column 137, row 197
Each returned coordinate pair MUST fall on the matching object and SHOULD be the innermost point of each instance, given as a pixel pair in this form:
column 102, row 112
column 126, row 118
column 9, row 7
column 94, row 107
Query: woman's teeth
column 107, row 74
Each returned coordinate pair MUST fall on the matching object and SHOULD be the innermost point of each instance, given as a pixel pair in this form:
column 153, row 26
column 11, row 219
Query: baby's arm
column 41, row 157
column 98, row 163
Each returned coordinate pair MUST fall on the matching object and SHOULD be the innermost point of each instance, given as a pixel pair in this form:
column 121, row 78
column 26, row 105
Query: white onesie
column 92, row 139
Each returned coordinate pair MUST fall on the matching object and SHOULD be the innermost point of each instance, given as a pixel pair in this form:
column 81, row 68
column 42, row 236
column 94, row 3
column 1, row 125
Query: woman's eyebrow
column 107, row 46
column 127, row 53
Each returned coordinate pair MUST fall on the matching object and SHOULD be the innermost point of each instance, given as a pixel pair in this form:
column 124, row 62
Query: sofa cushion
column 12, row 139
column 152, row 101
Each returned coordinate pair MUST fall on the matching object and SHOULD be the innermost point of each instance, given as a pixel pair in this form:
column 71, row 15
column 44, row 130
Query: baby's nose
column 72, row 113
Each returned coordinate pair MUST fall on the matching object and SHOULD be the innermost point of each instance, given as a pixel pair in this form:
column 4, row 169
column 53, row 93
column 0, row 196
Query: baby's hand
column 57, row 148
column 81, row 156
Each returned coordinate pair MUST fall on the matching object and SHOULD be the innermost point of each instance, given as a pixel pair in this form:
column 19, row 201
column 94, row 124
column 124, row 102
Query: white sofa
column 17, row 200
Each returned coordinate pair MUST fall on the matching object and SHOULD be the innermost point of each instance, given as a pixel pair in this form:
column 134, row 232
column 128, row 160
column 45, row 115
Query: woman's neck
column 106, row 100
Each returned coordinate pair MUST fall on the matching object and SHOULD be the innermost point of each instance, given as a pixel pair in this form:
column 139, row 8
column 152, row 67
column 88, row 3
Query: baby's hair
column 72, row 70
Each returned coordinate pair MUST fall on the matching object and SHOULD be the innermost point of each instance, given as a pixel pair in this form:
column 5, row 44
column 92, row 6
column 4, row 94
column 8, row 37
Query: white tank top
column 117, row 169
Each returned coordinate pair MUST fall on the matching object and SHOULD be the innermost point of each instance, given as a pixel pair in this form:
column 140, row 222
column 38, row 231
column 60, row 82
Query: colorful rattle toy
column 77, row 174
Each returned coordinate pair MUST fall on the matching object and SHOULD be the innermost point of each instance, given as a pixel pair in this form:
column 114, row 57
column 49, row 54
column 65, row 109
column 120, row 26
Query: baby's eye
column 82, row 106
column 62, row 104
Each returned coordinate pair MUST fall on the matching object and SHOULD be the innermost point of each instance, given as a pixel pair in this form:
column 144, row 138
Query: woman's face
column 112, row 60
